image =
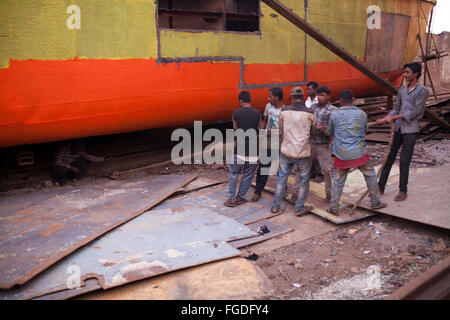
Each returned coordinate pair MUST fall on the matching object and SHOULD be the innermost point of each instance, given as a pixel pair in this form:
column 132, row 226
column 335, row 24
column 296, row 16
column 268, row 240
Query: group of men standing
column 334, row 137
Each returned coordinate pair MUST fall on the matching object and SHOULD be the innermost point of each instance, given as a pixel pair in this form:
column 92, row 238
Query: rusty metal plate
column 198, row 184
column 428, row 199
column 214, row 197
column 154, row 243
column 316, row 199
column 39, row 229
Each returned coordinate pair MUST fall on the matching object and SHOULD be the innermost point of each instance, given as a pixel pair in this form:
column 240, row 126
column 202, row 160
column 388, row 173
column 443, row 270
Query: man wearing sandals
column 408, row 110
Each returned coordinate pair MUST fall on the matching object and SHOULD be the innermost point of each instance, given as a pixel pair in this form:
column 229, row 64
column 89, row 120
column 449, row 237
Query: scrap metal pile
column 63, row 242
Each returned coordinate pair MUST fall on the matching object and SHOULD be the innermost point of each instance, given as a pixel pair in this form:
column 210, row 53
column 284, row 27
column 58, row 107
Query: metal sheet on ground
column 275, row 230
column 41, row 228
column 214, row 197
column 142, row 248
column 232, row 279
column 428, row 199
column 355, row 185
column 316, row 199
column 198, row 184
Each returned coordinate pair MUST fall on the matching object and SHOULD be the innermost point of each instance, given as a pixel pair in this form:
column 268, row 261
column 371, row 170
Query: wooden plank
column 379, row 43
column 379, row 137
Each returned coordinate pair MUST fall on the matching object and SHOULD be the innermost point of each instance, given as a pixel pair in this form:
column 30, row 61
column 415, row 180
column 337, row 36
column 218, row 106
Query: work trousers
column 340, row 176
column 261, row 179
column 304, row 171
column 248, row 170
column 407, row 142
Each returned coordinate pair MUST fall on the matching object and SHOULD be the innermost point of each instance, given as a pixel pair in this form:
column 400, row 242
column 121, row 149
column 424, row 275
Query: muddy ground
column 367, row 259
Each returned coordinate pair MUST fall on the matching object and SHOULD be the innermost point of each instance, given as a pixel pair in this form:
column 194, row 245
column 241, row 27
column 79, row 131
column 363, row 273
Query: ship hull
column 44, row 100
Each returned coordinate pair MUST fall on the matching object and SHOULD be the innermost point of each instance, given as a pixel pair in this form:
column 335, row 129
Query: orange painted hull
column 43, row 101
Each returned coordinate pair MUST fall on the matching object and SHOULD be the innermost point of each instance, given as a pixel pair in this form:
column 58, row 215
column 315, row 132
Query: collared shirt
column 296, row 125
column 412, row 105
column 348, row 125
column 323, row 117
column 309, row 102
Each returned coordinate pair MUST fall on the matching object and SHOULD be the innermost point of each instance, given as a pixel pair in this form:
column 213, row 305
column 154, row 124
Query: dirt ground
column 367, row 259
column 343, row 264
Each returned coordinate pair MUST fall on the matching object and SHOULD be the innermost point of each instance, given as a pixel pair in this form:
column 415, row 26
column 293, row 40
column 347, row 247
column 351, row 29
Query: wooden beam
column 329, row 44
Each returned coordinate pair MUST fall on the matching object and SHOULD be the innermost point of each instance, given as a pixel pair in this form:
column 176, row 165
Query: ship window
column 217, row 15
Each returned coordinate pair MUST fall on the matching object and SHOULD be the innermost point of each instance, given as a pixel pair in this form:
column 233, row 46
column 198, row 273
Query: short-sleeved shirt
column 272, row 113
column 273, row 121
column 309, row 102
column 248, row 120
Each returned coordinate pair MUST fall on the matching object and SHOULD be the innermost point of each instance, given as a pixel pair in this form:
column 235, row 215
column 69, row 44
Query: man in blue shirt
column 348, row 126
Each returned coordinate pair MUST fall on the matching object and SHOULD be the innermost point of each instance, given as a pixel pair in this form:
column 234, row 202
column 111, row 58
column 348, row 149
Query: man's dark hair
column 323, row 89
column 415, row 67
column 245, row 96
column 277, row 92
column 298, row 97
column 346, row 95
column 313, row 84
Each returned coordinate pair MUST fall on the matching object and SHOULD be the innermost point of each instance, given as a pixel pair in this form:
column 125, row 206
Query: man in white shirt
column 311, row 89
column 270, row 122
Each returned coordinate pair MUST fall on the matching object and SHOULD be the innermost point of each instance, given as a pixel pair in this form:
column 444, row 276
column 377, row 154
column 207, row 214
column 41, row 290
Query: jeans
column 261, row 179
column 406, row 142
column 248, row 172
column 304, row 171
column 61, row 174
column 340, row 176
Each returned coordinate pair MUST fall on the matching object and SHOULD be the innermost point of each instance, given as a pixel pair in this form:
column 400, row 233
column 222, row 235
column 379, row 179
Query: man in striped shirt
column 69, row 161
